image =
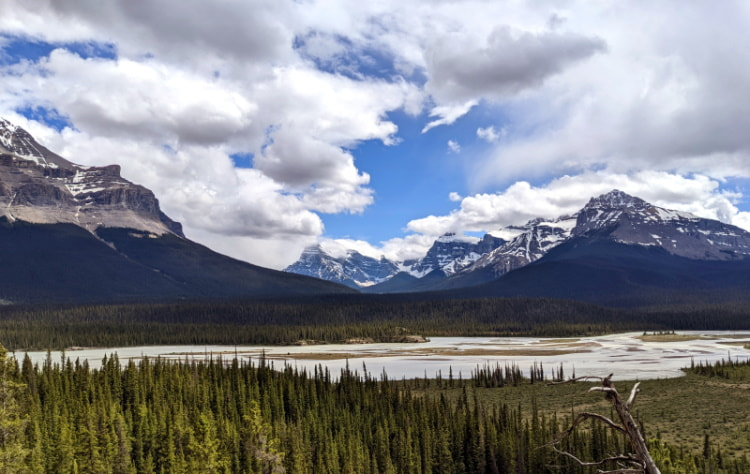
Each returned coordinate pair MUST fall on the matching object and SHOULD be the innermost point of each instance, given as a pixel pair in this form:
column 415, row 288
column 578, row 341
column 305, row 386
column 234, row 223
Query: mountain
column 40, row 187
column 452, row 253
column 624, row 251
column 533, row 240
column 448, row 255
column 71, row 233
column 353, row 270
column 630, row 220
column 618, row 249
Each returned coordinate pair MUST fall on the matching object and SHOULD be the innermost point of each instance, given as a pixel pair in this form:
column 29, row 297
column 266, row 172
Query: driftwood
column 640, row 461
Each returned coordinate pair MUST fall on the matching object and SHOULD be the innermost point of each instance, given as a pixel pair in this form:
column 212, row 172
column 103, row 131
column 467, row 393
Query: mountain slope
column 71, row 233
column 603, row 271
column 65, row 263
column 205, row 273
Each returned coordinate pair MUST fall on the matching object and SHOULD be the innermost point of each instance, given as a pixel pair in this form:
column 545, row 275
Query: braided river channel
column 629, row 356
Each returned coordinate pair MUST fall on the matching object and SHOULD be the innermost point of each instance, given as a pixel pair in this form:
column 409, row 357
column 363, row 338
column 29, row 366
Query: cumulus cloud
column 674, row 100
column 454, row 146
column 521, row 201
column 299, row 88
column 180, row 30
column 139, row 99
column 510, row 60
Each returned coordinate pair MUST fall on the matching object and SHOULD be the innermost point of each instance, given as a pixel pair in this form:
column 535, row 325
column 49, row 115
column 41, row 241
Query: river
column 629, row 356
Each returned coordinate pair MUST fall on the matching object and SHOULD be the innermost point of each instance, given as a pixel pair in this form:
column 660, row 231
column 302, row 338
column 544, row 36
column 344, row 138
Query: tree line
column 338, row 319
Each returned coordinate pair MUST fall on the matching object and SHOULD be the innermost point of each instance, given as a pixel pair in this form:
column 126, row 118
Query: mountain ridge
column 615, row 215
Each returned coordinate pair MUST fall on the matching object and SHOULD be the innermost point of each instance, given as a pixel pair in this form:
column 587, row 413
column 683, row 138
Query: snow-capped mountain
column 534, row 239
column 615, row 216
column 624, row 219
column 449, row 254
column 354, row 269
column 630, row 220
column 40, row 187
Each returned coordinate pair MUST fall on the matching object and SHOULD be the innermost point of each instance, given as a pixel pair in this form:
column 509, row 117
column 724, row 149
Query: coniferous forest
column 213, row 417
column 335, row 320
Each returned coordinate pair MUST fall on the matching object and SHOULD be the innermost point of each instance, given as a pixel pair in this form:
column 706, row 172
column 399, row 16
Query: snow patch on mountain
column 40, row 187
column 449, row 253
column 352, row 269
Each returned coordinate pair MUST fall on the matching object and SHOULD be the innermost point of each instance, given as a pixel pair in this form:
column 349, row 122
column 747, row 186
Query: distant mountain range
column 618, row 249
column 71, row 233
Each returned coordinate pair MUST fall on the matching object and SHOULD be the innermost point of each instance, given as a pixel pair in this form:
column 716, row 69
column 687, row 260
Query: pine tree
column 13, row 419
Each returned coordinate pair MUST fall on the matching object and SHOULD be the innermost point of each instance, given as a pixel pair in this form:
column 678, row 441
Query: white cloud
column 581, row 90
column 397, row 249
column 454, row 197
column 454, row 146
column 139, row 99
column 447, row 114
column 521, row 201
column 508, row 61
column 490, row 135
column 669, row 99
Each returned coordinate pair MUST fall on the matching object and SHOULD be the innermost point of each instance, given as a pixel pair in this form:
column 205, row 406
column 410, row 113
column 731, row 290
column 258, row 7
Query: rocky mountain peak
column 615, row 199
column 40, row 187
column 19, row 143
column 353, row 269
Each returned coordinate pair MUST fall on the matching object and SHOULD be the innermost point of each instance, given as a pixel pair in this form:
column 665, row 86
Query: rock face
column 452, row 253
column 40, row 187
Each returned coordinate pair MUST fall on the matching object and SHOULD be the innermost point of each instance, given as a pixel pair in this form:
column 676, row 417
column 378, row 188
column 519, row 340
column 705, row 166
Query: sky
column 268, row 126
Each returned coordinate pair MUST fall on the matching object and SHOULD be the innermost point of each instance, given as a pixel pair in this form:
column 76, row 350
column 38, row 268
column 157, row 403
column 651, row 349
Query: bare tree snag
column 640, row 460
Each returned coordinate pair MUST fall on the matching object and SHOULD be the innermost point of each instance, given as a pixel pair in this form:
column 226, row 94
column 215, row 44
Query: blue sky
column 269, row 126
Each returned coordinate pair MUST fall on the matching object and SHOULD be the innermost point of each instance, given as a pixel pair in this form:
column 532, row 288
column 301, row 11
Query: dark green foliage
column 737, row 370
column 230, row 416
column 335, row 320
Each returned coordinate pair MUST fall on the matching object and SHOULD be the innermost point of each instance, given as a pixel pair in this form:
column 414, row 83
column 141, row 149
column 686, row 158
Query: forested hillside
column 214, row 417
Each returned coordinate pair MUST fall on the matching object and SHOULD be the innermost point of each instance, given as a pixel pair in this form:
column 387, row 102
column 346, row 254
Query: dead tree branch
column 641, row 457
column 577, row 379
column 620, row 458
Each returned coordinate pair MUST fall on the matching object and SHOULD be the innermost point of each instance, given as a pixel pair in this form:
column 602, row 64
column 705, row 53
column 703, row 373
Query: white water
column 625, row 355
